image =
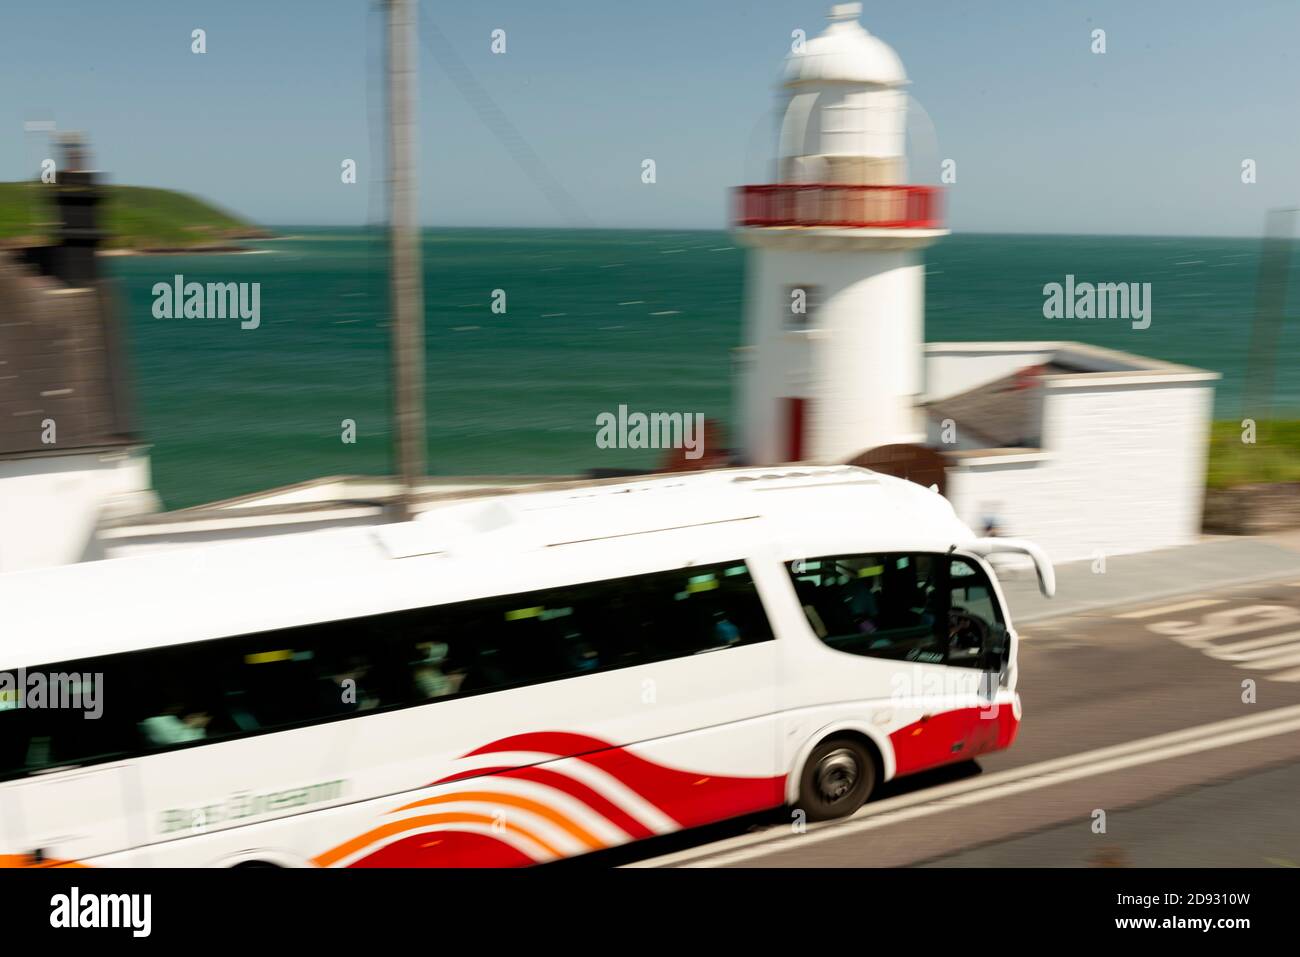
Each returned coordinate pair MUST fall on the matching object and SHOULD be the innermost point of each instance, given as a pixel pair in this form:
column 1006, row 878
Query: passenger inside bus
column 175, row 725
column 725, row 631
column 427, row 671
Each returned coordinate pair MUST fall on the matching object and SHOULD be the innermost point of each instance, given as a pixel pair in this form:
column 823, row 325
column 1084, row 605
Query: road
column 1159, row 734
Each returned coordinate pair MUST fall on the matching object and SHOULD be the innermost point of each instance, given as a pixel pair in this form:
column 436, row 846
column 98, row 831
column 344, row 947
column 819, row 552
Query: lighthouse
column 835, row 284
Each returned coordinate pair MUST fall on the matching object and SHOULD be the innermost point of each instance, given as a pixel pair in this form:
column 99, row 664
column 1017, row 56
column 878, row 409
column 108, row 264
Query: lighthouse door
column 796, row 411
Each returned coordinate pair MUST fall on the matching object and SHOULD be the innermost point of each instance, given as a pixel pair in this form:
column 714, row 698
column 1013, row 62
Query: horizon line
column 368, row 227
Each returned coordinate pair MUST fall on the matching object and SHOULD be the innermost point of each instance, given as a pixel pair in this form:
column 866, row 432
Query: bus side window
column 176, row 697
column 877, row 606
column 705, row 608
column 975, row 624
column 616, row 625
column 70, row 715
column 223, row 688
column 17, row 737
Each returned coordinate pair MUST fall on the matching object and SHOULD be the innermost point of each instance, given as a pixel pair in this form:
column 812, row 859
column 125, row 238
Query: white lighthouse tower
column 836, row 283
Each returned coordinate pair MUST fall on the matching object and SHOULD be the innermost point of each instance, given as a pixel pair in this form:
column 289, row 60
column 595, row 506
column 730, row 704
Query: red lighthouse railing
column 839, row 205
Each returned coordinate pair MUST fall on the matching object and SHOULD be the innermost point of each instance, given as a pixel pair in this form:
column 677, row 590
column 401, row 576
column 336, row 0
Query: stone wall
column 1253, row 509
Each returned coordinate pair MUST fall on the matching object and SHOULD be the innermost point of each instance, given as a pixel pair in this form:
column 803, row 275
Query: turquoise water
column 594, row 319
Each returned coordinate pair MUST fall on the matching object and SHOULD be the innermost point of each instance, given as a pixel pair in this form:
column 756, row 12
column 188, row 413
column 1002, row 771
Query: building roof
column 1004, row 412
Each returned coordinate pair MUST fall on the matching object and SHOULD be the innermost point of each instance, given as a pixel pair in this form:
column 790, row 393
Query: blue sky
column 1048, row 137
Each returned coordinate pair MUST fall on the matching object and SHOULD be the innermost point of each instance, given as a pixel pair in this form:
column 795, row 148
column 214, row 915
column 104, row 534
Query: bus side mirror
column 985, row 547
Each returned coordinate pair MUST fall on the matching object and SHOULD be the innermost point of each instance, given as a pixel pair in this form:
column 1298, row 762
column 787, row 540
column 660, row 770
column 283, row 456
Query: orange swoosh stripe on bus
column 413, row 823
column 511, row 800
column 25, row 860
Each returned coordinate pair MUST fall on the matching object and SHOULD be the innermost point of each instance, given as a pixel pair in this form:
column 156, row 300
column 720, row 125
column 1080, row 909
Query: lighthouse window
column 800, row 304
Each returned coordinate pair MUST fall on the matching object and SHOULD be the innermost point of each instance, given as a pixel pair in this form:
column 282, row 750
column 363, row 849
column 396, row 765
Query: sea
column 586, row 321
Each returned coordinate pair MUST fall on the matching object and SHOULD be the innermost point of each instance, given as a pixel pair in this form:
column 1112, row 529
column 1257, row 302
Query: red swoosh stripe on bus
column 688, row 797
column 472, row 773
column 446, row 849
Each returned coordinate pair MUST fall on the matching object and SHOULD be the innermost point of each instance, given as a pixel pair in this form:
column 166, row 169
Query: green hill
column 135, row 217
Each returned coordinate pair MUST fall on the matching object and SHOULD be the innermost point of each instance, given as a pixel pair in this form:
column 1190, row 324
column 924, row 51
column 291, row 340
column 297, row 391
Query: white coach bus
column 506, row 680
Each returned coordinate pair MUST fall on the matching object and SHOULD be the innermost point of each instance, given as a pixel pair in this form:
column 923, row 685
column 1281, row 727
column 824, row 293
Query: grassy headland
column 134, row 218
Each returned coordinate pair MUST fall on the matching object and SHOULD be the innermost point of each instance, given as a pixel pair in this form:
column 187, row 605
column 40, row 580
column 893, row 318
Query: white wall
column 50, row 505
column 1123, row 470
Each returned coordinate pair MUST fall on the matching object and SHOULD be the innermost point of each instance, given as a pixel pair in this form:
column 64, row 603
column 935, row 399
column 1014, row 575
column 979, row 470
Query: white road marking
column 1264, row 653
column 1286, row 660
column 990, row 787
column 1169, row 609
column 1237, row 650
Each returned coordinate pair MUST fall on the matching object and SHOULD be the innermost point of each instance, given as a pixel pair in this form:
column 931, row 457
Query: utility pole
column 406, row 273
column 1270, row 312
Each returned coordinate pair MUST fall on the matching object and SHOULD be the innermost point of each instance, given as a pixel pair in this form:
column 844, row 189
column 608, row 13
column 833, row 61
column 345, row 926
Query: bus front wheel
column 836, row 779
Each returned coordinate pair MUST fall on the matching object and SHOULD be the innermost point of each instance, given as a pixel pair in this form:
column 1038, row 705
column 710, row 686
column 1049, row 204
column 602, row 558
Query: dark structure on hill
column 64, row 385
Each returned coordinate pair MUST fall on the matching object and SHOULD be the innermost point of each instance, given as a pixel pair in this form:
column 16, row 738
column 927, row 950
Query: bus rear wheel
column 836, row 779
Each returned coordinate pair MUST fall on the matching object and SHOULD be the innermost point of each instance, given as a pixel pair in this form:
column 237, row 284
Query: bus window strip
column 301, row 636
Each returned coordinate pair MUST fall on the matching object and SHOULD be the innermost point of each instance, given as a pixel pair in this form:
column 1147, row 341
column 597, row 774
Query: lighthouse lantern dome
column 846, row 110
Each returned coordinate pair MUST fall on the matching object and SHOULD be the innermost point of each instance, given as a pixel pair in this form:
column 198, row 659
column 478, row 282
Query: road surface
column 1160, row 734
